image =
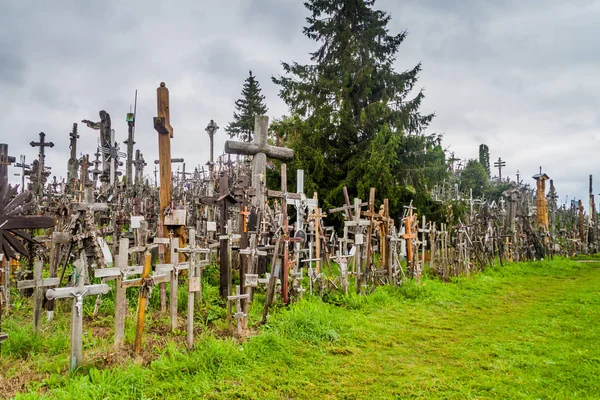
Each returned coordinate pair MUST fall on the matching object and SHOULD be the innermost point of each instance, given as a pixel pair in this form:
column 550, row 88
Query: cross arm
column 162, row 126
column 250, row 149
column 90, row 290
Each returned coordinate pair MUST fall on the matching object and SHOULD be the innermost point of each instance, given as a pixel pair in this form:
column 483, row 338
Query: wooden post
column 121, row 307
column 143, row 300
column 174, row 297
column 162, row 124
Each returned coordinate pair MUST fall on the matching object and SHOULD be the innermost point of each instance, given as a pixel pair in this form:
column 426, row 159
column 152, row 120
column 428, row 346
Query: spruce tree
column 484, row 157
column 353, row 111
column 250, row 105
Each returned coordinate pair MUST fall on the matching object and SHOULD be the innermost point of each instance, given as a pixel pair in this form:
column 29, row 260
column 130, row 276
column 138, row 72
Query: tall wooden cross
column 162, row 124
column 42, row 144
column 260, row 150
column 130, row 118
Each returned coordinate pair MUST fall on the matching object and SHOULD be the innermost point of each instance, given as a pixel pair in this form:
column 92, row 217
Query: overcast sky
column 520, row 76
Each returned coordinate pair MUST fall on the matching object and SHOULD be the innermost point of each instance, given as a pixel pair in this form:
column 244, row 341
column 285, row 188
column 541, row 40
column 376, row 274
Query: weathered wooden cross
column 38, row 284
column 77, row 292
column 41, row 171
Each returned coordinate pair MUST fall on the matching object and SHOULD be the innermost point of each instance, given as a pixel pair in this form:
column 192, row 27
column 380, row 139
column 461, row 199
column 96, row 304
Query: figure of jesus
column 104, row 127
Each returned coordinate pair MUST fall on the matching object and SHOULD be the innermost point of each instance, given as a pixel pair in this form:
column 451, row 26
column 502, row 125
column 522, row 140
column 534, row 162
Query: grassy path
column 523, row 331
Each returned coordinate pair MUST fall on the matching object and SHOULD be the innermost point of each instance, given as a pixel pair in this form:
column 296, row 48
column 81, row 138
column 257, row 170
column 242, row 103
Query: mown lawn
column 528, row 330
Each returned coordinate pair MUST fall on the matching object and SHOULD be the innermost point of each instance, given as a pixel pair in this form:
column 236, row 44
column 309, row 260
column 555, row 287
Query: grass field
column 529, row 330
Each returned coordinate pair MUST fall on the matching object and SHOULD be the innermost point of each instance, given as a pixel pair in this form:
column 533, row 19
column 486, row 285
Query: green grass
column 528, row 330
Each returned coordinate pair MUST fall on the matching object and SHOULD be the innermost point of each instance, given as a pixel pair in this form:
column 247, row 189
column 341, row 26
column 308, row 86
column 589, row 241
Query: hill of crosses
column 347, row 193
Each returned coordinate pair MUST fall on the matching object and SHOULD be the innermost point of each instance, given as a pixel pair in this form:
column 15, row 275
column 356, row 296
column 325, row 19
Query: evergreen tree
column 484, row 157
column 250, row 105
column 474, row 177
column 353, row 120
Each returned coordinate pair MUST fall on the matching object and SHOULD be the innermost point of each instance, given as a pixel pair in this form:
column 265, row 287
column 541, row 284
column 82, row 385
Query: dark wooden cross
column 42, row 144
column 73, row 161
column 499, row 164
column 5, row 161
column 38, row 284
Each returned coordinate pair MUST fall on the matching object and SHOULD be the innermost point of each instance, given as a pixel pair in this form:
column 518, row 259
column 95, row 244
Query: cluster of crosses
column 100, row 229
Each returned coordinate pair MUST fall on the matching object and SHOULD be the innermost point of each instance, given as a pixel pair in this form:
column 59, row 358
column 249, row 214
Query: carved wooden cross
column 42, row 144
column 260, row 150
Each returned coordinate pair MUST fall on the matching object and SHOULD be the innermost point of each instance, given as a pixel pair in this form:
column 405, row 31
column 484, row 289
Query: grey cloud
column 509, row 73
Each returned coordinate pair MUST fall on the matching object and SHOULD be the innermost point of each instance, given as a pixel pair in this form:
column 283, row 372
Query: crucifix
column 77, row 292
column 41, row 172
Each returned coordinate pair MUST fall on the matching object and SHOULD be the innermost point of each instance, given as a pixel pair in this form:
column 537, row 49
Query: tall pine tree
column 352, row 112
column 249, row 106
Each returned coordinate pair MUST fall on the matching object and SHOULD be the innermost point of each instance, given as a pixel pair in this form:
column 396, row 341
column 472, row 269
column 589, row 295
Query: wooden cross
column 239, row 314
column 162, row 124
column 38, row 284
column 409, row 236
column 42, row 144
column 194, row 281
column 145, row 283
column 5, row 161
column 245, row 213
column 423, row 231
column 77, row 293
column 260, row 150
column 358, row 224
column 316, row 216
